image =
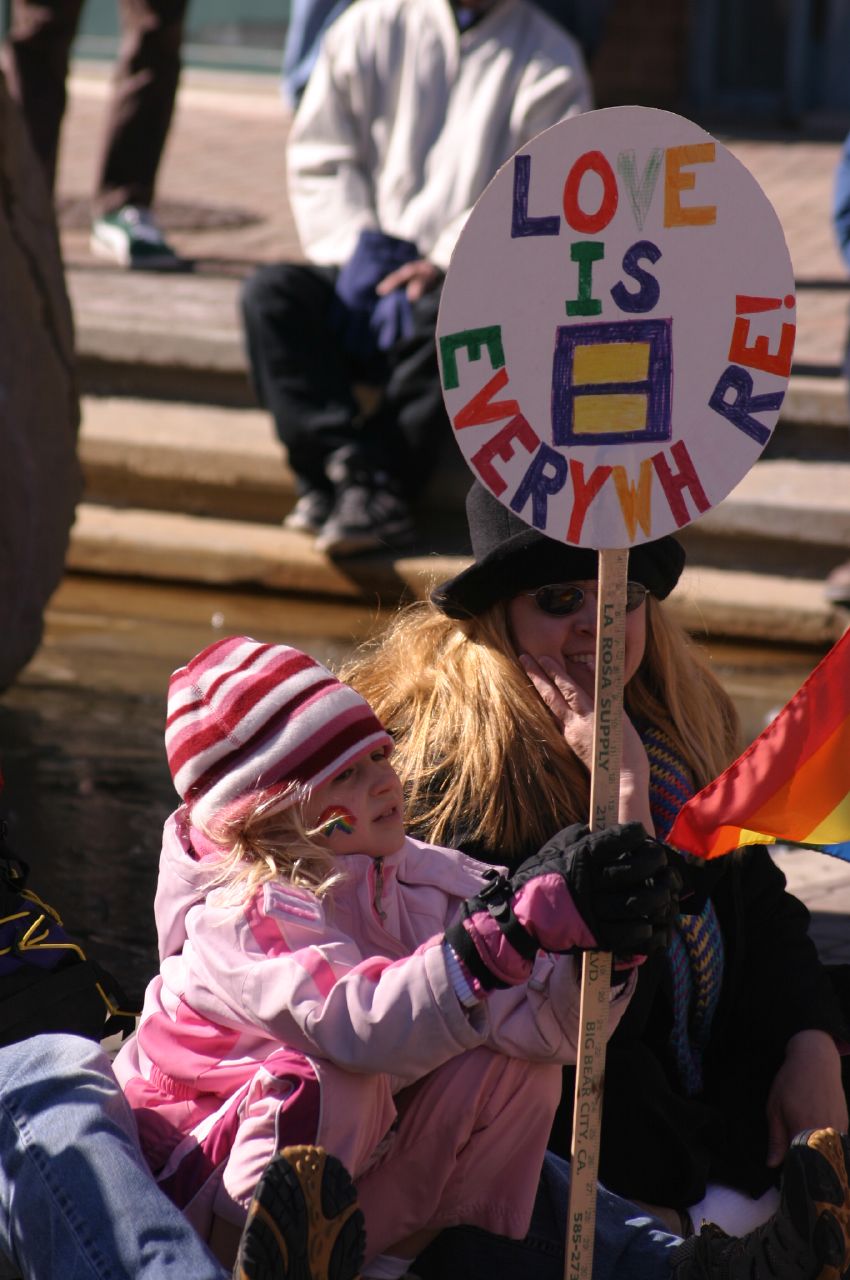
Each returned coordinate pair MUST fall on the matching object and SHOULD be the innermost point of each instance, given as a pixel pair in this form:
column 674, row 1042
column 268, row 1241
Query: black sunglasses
column 559, row 599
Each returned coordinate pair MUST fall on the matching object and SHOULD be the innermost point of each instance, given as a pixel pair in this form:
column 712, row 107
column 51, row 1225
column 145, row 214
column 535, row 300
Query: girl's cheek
column 336, row 819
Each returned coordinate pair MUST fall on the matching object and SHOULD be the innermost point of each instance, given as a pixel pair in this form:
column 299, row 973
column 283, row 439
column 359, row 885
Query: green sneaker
column 131, row 237
column 303, row 1222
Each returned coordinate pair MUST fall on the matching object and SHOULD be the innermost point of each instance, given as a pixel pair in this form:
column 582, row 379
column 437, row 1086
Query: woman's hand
column 572, row 707
column 806, row 1093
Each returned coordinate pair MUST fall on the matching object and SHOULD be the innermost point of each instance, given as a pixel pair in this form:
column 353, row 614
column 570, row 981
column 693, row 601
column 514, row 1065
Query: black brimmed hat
column 511, row 557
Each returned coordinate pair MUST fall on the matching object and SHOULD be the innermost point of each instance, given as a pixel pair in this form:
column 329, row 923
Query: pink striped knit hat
column 245, row 717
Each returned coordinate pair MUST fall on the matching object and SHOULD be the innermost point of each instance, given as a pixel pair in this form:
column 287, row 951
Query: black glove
column 619, row 880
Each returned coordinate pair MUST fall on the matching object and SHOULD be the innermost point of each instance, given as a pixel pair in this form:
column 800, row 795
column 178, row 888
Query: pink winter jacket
column 358, row 979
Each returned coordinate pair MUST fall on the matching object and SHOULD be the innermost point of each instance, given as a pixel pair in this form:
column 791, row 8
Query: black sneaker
column 808, row 1238
column 303, row 1223
column 369, row 514
column 310, row 511
column 364, row 520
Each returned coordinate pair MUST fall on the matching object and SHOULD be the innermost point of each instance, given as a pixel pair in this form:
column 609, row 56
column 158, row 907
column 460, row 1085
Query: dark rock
column 40, row 479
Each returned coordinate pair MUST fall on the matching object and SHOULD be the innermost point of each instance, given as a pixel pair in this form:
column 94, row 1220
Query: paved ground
column 222, row 195
column 222, row 198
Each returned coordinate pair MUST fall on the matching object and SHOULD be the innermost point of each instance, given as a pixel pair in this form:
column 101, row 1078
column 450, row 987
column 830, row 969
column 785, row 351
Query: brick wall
column 643, row 56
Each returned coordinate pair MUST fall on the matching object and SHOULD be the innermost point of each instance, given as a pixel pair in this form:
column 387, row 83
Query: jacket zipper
column 379, row 889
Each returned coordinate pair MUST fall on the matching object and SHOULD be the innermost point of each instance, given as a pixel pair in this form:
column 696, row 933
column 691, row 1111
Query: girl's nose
column 381, row 775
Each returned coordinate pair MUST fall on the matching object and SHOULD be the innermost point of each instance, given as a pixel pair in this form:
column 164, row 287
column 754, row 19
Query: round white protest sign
column 616, row 327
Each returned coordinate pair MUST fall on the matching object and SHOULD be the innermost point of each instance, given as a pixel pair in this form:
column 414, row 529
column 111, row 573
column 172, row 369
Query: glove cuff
column 497, row 898
column 461, row 943
column 495, row 901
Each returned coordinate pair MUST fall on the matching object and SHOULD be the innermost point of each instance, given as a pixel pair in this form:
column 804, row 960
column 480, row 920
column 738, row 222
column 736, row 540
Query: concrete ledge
column 187, row 322
column 227, row 462
column 816, row 401
column 177, row 547
column 190, row 323
column 170, row 547
column 207, row 460
column 756, row 606
column 194, row 458
column 807, row 502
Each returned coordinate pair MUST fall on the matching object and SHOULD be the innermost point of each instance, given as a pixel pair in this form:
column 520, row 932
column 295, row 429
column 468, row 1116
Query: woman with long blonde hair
column 728, row 1048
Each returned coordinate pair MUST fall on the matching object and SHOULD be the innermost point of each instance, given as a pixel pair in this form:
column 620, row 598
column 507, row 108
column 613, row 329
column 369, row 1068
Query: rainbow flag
column 792, row 783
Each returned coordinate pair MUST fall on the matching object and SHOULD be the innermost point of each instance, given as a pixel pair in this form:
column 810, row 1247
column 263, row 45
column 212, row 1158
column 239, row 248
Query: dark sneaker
column 366, row 519
column 370, row 513
column 132, row 238
column 303, row 1223
column 808, row 1238
column 310, row 511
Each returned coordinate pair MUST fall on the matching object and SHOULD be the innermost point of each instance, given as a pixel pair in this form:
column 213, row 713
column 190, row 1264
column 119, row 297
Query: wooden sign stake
column 596, row 965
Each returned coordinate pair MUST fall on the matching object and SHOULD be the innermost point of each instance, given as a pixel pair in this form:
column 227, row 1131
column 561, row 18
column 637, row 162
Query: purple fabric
column 366, row 323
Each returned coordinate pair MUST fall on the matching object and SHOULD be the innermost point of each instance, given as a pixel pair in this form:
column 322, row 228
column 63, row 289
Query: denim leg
column 76, row 1198
column 629, row 1244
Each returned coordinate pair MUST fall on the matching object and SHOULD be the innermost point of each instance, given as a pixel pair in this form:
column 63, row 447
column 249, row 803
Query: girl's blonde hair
column 264, row 838
column 478, row 752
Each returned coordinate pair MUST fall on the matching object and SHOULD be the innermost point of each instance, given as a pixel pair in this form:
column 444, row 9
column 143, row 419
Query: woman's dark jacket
column 658, row 1145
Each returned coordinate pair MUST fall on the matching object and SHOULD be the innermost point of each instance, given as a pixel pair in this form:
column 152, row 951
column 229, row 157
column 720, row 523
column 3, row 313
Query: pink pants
column 468, row 1148
column 463, row 1145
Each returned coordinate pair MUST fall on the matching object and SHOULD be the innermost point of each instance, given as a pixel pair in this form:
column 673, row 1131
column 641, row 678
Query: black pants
column 304, row 378
column 145, row 86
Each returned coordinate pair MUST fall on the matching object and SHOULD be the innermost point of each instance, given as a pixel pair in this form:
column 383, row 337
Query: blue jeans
column 76, row 1197
column 629, row 1244
column 77, row 1200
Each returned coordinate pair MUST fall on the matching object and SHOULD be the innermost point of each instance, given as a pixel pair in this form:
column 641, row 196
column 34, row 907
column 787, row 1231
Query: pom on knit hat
column 248, row 718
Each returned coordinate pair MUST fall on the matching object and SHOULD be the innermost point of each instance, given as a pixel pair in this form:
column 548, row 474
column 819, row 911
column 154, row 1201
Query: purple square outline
column 656, row 386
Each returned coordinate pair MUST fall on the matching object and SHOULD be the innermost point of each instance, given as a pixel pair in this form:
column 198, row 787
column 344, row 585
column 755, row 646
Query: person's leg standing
column 144, row 92
column 76, row 1198
column 35, row 64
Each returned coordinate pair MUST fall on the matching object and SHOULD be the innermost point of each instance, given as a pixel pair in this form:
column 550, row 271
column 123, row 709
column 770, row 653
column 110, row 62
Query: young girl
column 325, row 979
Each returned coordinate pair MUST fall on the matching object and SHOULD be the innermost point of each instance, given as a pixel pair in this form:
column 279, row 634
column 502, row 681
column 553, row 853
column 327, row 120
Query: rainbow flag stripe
column 792, row 783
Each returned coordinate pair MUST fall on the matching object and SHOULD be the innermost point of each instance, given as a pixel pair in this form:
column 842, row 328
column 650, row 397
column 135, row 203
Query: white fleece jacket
column 405, row 119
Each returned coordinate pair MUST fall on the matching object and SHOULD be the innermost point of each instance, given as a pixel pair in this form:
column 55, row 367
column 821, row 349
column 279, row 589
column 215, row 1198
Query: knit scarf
column 695, row 954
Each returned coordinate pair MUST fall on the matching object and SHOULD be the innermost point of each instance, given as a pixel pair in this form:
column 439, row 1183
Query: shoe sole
column 298, row 525
column 353, row 544
column 123, row 258
column 304, row 1223
column 816, row 1189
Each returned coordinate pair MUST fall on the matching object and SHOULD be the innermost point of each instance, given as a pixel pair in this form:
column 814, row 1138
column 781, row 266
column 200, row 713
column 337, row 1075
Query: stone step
column 208, row 459
column 789, row 515
column 185, row 341
column 173, row 456
column 171, row 546
column 227, row 462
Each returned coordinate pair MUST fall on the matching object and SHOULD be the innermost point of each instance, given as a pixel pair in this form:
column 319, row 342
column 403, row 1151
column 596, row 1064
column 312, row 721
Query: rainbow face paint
column 334, row 819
